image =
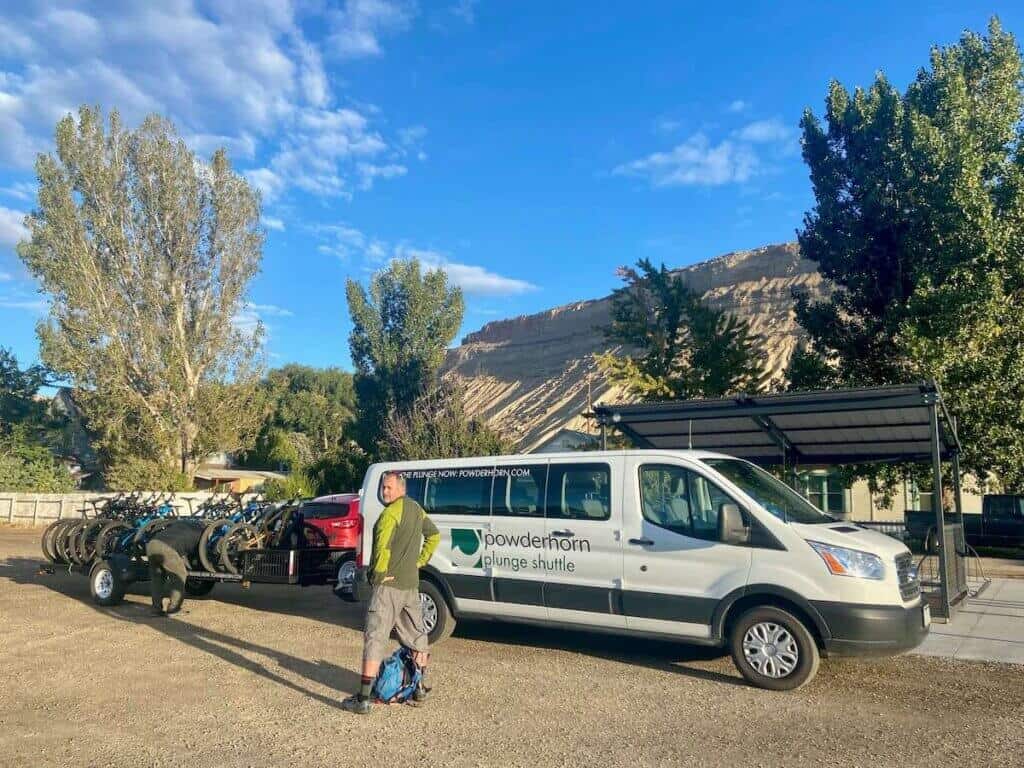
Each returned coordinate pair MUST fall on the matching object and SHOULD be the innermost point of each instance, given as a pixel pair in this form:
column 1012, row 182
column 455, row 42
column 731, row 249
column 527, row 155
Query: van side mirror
column 731, row 528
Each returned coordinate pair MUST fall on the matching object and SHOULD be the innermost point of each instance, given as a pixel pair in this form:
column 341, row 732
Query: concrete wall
column 44, row 508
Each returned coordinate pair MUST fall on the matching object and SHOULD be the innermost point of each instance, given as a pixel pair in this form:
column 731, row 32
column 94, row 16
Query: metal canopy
column 876, row 424
column 898, row 423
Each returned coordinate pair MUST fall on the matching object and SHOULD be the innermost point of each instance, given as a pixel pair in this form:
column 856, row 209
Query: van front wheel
column 773, row 649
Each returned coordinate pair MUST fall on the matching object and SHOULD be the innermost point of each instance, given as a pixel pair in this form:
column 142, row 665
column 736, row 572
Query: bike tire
column 205, row 556
column 63, row 542
column 107, row 536
column 47, row 540
column 236, row 540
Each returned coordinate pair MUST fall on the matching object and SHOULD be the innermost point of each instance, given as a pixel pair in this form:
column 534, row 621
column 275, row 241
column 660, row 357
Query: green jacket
column 397, row 555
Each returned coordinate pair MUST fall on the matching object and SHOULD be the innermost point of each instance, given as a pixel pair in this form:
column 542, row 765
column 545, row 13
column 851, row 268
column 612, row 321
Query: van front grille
column 906, row 572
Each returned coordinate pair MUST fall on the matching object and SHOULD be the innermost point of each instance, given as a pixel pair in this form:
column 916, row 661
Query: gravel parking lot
column 254, row 678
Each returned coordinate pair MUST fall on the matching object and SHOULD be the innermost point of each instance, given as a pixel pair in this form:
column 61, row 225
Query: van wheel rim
column 771, row 650
column 429, row 612
column 104, row 584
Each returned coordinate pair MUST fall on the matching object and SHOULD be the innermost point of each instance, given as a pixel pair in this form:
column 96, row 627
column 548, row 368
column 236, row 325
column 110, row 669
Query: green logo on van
column 466, row 547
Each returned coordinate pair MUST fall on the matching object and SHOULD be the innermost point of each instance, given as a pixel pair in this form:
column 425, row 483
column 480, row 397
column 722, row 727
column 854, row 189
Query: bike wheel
column 85, row 542
column 63, row 543
column 146, row 532
column 239, row 538
column 210, row 540
column 108, row 536
column 47, row 542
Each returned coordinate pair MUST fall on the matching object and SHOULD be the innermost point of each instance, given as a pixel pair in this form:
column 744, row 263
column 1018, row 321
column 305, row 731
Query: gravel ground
column 254, row 677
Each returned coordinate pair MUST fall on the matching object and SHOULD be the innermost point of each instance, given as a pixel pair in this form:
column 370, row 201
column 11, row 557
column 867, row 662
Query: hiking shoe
column 421, row 694
column 355, row 706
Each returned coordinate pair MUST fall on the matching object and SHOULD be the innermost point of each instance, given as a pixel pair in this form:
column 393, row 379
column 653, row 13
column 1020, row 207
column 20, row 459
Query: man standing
column 394, row 575
column 167, row 554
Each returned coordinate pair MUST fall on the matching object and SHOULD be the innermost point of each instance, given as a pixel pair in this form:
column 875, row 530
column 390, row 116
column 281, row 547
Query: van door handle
column 567, row 534
column 642, row 542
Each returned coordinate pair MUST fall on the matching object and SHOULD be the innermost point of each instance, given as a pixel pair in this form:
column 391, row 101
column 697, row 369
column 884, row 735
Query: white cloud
column 272, row 222
column 345, row 242
column 271, row 310
column 766, row 132
column 369, row 172
column 465, row 10
column 474, row 280
column 412, row 135
column 739, row 105
column 667, row 125
column 357, row 28
column 695, row 162
column 21, row 190
column 12, row 227
column 6, row 277
column 34, row 306
column 243, row 75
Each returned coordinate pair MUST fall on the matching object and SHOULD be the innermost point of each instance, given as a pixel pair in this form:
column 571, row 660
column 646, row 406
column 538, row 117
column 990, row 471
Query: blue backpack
column 398, row 677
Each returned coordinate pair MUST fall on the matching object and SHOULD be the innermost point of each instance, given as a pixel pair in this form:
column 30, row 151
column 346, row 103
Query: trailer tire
column 437, row 614
column 105, row 584
column 773, row 649
column 196, row 588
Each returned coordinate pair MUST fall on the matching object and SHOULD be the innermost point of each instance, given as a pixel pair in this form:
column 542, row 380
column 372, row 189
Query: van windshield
column 771, row 493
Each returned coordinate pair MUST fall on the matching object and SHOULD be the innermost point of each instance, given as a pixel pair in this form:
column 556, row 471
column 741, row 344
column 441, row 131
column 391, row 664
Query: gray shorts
column 393, row 609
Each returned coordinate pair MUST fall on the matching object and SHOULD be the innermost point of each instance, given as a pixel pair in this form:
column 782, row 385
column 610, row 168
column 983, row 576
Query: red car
column 337, row 516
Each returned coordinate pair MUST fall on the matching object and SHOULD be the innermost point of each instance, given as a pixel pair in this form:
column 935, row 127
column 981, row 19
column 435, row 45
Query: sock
column 365, row 684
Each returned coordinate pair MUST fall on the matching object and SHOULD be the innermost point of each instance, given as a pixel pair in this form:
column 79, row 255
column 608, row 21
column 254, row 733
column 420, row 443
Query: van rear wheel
column 437, row 615
column 773, row 649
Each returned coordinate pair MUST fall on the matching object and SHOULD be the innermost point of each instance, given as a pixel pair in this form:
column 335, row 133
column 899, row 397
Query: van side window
column 681, row 501
column 519, row 491
column 579, row 491
column 465, row 491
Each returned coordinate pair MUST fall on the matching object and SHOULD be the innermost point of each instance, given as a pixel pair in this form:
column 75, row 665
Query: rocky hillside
column 530, row 376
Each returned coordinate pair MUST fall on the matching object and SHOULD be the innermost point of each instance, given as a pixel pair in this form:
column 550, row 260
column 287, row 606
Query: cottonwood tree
column 677, row 347
column 919, row 223
column 401, row 329
column 146, row 254
column 438, row 427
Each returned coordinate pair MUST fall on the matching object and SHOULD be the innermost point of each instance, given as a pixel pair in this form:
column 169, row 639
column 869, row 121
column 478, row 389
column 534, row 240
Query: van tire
column 786, row 626
column 444, row 624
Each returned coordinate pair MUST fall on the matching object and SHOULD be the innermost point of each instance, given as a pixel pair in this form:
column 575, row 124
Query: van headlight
column 849, row 562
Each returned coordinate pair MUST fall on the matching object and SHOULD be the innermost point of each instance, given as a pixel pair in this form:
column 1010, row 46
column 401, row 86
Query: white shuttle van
column 686, row 545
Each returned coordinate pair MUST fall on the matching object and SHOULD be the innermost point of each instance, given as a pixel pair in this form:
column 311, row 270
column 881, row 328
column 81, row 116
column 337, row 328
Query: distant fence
column 44, row 508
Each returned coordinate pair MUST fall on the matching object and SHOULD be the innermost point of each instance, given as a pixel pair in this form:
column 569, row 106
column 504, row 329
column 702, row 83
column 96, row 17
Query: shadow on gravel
column 22, row 570
column 319, row 603
column 664, row 656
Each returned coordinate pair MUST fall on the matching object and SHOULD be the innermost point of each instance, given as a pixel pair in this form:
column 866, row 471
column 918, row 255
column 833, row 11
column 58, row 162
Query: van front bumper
column 872, row 630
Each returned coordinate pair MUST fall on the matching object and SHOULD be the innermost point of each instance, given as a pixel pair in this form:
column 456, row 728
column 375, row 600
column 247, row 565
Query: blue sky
column 527, row 148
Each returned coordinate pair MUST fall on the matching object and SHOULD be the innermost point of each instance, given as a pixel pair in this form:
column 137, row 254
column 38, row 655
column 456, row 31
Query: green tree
column 438, row 427
column 340, row 471
column 27, row 465
column 19, row 388
column 401, row 329
column 919, row 224
column 146, row 254
column 677, row 347
column 295, row 485
column 309, row 414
